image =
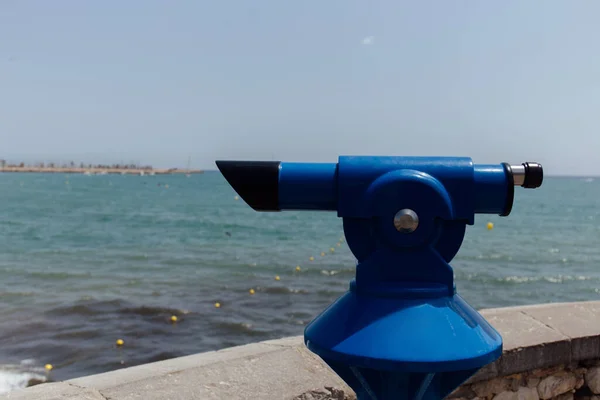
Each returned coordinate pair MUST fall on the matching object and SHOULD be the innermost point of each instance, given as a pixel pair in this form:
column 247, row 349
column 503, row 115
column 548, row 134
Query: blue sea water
column 87, row 260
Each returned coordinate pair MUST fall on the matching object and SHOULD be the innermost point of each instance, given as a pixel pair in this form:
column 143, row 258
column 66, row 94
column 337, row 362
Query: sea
column 88, row 260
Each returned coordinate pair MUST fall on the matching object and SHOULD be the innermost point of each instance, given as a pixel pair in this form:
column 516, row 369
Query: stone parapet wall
column 574, row 382
column 551, row 351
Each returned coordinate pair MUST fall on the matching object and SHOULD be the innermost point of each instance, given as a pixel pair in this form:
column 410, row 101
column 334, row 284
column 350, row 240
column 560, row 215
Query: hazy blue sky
column 158, row 81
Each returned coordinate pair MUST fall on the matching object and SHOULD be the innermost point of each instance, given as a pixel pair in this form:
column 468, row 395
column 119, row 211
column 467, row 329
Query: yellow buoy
column 251, row 291
column 237, row 198
column 217, row 305
column 297, row 268
column 174, row 318
column 277, row 277
column 490, row 226
column 48, row 367
column 332, row 249
column 120, row 342
column 312, row 258
column 322, row 254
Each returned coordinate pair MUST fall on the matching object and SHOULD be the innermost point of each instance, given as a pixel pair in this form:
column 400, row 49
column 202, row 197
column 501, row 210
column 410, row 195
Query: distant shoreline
column 100, row 171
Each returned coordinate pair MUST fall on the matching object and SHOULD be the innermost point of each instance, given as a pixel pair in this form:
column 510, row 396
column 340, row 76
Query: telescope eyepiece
column 534, row 175
column 528, row 175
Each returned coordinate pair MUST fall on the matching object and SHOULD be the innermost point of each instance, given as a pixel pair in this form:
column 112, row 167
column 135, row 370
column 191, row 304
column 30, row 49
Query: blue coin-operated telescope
column 401, row 331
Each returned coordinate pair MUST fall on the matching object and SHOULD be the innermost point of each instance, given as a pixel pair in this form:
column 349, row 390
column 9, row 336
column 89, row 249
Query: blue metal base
column 396, row 348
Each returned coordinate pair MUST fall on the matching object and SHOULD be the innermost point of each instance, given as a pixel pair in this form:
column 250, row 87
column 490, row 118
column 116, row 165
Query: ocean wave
column 499, row 259
column 78, row 334
column 330, row 293
column 13, row 377
column 149, row 311
column 12, row 223
column 59, row 275
column 341, row 271
column 87, row 308
column 16, row 294
column 91, row 308
column 235, row 328
column 515, row 279
column 282, row 290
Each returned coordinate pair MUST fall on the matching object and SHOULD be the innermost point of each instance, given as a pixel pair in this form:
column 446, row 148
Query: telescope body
column 401, row 331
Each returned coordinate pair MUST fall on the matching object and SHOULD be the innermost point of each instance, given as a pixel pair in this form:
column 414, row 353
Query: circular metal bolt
column 406, row 221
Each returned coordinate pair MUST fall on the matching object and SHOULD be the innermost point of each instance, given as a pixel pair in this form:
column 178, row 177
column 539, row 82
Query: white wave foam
column 13, row 380
column 13, row 377
column 519, row 279
column 550, row 279
column 525, row 279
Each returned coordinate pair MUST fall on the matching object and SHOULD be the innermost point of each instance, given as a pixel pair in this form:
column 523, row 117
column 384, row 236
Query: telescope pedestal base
column 370, row 384
column 394, row 348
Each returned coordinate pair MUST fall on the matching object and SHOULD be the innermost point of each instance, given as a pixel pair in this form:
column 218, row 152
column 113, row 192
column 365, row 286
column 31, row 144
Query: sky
column 171, row 82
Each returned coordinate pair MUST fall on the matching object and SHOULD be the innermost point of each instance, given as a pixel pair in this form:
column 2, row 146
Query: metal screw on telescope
column 406, row 221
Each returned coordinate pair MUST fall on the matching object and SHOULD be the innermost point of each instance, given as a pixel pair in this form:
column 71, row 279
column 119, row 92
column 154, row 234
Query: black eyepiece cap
column 534, row 175
column 257, row 182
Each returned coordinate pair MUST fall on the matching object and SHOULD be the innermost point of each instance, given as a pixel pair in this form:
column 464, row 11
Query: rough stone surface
column 463, row 392
column 556, row 385
column 508, row 395
column 272, row 375
column 527, row 393
column 565, row 396
column 516, row 381
column 491, row 387
column 176, row 365
column 54, row 391
column 329, row 393
column 292, row 341
column 590, row 363
column 558, row 382
column 543, row 372
column 488, row 372
column 592, row 379
column 533, row 381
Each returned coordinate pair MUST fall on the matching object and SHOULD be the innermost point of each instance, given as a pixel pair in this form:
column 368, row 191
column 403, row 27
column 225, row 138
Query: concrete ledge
column 276, row 369
column 542, row 336
column 535, row 337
